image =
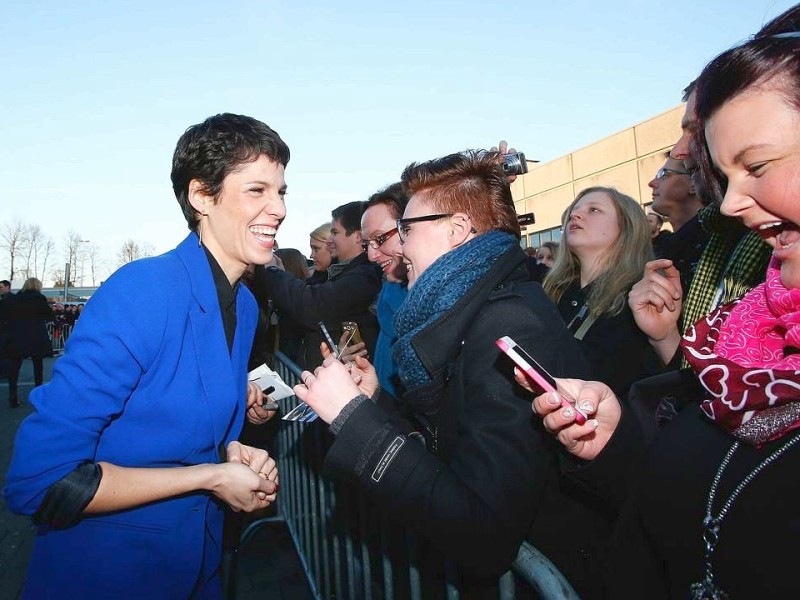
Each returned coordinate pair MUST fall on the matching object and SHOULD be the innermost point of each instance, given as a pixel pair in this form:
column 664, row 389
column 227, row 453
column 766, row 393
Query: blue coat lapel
column 221, row 391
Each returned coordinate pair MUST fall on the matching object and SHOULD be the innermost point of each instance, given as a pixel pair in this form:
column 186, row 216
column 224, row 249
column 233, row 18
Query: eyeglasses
column 664, row 172
column 378, row 240
column 403, row 224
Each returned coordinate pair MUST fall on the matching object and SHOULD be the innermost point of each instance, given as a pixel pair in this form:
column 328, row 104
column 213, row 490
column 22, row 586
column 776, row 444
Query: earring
column 200, row 230
column 473, row 230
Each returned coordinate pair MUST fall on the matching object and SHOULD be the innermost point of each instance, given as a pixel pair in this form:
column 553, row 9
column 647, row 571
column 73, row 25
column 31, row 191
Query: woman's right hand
column 241, row 488
column 594, row 398
column 656, row 302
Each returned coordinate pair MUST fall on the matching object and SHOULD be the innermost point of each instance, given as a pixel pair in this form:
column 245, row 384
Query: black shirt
column 227, row 298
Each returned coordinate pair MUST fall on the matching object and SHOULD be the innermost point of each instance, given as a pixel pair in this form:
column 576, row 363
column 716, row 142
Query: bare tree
column 95, row 262
column 73, row 241
column 58, row 277
column 32, row 246
column 10, row 241
column 47, row 249
column 129, row 252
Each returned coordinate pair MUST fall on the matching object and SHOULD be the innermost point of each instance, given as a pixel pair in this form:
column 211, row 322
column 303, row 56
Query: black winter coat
column 25, row 316
column 346, row 297
column 488, row 472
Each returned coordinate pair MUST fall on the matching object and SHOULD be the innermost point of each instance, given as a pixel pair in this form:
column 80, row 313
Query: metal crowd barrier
column 58, row 334
column 348, row 549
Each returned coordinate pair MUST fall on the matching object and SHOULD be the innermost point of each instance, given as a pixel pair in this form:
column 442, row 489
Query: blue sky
column 96, row 93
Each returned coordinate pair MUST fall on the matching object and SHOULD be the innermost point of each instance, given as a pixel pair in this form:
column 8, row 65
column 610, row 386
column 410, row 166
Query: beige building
column 627, row 160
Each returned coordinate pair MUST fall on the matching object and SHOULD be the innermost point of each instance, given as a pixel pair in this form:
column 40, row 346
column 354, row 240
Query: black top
column 684, row 248
column 227, row 298
column 617, row 351
column 659, row 549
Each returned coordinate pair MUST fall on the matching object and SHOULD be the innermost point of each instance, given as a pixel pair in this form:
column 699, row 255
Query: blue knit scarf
column 436, row 291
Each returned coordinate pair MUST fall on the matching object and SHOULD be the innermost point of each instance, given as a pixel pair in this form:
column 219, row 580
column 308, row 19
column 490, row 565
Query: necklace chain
column 707, row 588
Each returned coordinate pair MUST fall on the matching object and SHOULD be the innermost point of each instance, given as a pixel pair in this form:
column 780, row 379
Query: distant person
column 5, row 289
column 605, row 246
column 676, row 196
column 131, row 448
column 5, row 292
column 658, row 235
column 291, row 334
column 320, row 253
column 26, row 315
column 348, row 294
column 547, row 254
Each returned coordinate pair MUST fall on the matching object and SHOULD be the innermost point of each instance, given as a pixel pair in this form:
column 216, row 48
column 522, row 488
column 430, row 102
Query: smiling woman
column 113, row 455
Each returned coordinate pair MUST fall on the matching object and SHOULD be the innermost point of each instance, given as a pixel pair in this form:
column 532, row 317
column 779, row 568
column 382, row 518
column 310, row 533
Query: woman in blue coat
column 131, row 450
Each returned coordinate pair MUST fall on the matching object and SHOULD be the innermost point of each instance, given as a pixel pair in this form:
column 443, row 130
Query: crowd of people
column 660, row 468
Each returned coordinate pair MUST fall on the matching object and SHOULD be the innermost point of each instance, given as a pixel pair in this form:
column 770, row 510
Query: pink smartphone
column 537, row 373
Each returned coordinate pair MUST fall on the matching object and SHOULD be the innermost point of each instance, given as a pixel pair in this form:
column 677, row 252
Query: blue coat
column 146, row 381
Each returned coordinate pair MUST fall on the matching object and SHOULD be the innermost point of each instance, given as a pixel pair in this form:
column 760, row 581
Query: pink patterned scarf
column 747, row 356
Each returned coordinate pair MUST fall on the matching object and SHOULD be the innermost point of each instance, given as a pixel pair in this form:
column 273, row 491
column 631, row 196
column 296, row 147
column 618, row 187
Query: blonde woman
column 320, row 253
column 606, row 244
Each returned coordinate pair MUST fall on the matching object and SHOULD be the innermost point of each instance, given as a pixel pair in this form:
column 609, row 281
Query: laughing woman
column 130, row 450
column 719, row 489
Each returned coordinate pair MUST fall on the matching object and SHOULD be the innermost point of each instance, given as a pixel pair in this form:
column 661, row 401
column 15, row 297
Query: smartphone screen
column 537, row 373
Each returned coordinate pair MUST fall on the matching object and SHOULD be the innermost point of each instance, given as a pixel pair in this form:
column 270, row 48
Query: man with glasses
column 733, row 261
column 676, row 198
column 348, row 294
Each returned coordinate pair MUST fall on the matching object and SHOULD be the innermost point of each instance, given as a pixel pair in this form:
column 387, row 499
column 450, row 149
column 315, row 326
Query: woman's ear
column 198, row 197
column 461, row 229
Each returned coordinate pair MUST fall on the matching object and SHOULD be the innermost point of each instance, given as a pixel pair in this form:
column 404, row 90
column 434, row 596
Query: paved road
column 16, row 533
column 268, row 565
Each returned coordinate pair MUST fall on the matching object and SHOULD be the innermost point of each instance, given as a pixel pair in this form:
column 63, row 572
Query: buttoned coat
column 146, row 381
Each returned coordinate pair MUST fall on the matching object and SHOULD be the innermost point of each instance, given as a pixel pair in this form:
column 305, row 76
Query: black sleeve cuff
column 344, row 414
column 65, row 501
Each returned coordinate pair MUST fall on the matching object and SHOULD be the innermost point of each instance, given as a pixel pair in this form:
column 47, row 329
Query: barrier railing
column 58, row 334
column 348, row 549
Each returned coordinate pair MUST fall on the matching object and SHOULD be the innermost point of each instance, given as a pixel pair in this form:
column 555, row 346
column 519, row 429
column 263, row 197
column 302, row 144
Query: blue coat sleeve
column 114, row 343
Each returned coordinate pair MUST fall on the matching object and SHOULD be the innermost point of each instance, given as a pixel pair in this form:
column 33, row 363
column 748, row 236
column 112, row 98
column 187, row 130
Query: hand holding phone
column 537, row 373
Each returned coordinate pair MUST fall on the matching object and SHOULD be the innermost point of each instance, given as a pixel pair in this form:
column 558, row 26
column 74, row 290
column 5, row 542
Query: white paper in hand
column 270, row 382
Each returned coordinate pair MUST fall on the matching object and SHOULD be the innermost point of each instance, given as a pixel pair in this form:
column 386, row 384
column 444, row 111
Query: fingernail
column 567, row 413
column 587, row 407
column 553, row 399
column 592, row 423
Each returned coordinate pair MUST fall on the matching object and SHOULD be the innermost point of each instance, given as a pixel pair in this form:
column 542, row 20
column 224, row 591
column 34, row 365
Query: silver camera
column 514, row 164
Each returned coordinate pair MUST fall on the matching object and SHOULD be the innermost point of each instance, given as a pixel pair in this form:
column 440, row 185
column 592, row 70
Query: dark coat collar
column 438, row 344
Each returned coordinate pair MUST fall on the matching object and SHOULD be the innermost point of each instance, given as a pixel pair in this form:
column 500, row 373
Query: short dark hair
column 6, row 282
column 763, row 60
column 687, row 91
column 211, row 150
column 394, row 196
column 472, row 182
column 349, row 216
